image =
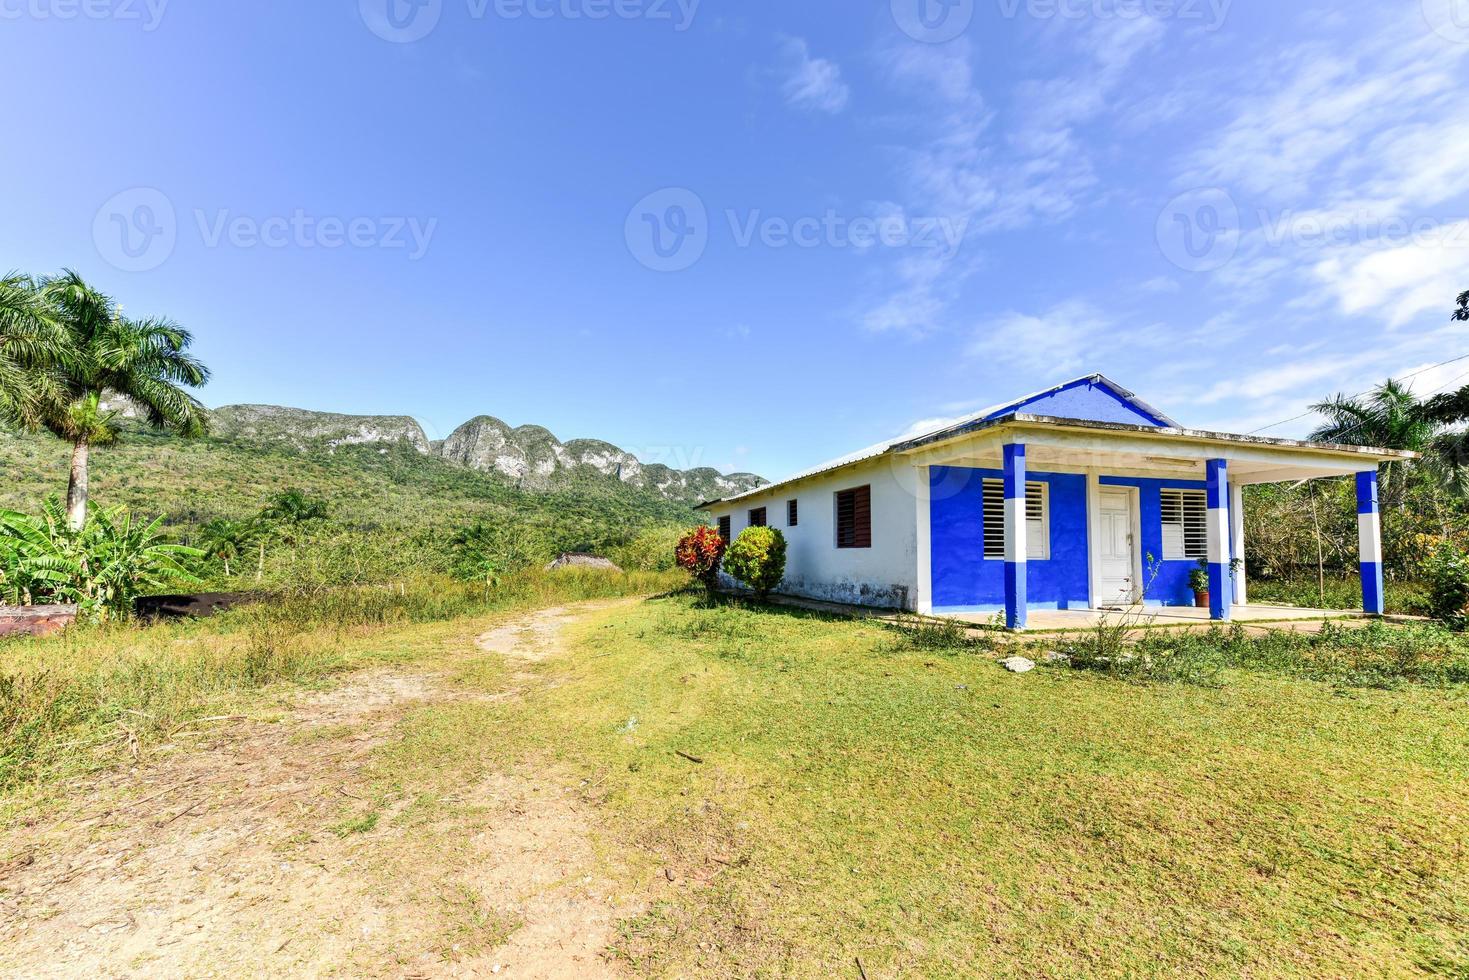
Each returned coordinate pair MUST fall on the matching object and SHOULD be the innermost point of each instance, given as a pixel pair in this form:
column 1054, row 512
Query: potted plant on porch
column 1198, row 580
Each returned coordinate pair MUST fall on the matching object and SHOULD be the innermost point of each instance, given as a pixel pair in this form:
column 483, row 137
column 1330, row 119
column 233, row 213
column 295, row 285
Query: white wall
column 884, row 575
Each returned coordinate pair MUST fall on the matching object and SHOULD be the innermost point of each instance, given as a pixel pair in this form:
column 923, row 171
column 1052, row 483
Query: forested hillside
column 389, row 508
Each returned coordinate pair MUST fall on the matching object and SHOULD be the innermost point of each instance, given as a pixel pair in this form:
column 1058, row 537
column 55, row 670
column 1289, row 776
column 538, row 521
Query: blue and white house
column 1081, row 497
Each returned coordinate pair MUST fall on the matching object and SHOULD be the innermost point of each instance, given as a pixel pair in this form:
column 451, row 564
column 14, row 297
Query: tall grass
column 93, row 695
column 1339, row 592
column 1378, row 655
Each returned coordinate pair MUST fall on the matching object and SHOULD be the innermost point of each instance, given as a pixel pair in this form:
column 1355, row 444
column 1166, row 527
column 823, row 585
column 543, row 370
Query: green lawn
column 936, row 816
column 841, row 794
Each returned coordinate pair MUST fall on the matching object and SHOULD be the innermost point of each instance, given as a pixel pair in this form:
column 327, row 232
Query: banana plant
column 101, row 568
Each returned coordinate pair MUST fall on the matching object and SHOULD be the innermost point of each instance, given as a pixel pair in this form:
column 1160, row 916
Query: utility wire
column 1441, row 388
column 1431, row 367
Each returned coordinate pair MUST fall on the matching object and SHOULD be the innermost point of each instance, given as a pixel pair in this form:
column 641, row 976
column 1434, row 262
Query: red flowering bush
column 699, row 553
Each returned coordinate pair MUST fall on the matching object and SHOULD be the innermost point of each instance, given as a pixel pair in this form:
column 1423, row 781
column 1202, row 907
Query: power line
column 1361, row 394
column 1344, row 433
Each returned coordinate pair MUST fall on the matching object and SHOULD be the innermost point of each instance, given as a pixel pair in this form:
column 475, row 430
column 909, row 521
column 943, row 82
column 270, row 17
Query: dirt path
column 265, row 855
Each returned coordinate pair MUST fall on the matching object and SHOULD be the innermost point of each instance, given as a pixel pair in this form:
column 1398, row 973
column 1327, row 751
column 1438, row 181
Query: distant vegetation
column 252, row 506
column 1302, row 539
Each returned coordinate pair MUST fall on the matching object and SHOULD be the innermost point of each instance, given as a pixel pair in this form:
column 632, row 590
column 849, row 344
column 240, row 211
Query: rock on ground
column 582, row 561
column 1017, row 665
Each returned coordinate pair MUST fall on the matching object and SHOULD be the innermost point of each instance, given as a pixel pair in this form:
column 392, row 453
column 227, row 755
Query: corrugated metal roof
column 935, row 431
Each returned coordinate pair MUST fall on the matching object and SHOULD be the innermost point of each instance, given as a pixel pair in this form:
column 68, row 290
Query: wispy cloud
column 963, row 169
column 1346, row 162
column 1065, row 339
column 811, row 83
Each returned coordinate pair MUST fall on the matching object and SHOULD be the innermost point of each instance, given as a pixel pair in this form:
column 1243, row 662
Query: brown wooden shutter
column 792, row 515
column 757, row 517
column 724, row 529
column 854, row 518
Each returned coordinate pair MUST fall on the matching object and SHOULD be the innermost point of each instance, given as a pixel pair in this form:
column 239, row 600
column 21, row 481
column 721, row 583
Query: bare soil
column 264, row 854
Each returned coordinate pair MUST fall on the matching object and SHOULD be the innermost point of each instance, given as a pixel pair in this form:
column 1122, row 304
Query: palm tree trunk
column 76, row 488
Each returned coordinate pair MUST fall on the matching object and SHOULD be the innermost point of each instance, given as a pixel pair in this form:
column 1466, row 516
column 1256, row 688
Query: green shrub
column 651, row 550
column 758, row 559
column 1447, row 575
column 487, row 549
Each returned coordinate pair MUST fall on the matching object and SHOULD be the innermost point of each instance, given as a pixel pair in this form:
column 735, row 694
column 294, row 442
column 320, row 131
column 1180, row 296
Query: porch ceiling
column 1061, row 446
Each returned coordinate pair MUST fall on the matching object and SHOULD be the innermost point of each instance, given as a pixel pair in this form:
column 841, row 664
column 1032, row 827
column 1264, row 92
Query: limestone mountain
column 530, row 456
column 306, row 430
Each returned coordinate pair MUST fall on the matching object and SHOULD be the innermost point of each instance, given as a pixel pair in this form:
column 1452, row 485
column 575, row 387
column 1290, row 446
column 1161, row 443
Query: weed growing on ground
column 937, row 635
column 1378, row 655
column 95, row 694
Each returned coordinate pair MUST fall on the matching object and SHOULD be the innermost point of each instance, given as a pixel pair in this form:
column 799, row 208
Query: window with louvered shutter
column 1037, row 520
column 757, row 517
column 854, row 518
column 1185, row 525
column 724, row 529
column 792, row 515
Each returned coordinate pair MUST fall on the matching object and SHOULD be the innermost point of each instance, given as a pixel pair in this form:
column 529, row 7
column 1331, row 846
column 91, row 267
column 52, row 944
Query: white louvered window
column 1037, row 520
column 1185, row 525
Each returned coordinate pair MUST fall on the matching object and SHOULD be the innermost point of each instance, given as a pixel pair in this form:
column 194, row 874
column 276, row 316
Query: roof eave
column 1023, row 418
column 1202, row 435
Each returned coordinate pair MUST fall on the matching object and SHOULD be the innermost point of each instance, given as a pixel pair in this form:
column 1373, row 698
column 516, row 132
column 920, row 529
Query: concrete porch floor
column 1295, row 618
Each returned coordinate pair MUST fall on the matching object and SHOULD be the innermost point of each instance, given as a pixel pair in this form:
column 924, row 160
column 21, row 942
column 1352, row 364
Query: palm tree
column 145, row 361
column 32, row 345
column 226, row 540
column 1392, row 417
column 1461, row 312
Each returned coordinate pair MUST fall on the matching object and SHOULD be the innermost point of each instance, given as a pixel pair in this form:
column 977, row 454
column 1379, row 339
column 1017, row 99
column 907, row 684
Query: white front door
column 1116, row 559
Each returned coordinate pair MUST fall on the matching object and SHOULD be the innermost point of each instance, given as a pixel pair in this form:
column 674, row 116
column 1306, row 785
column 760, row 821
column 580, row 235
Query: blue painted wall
column 963, row 579
column 1085, row 400
column 1169, row 586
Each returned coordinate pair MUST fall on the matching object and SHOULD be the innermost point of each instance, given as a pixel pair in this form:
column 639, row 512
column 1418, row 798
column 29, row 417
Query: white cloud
column 1319, row 118
column 1062, row 340
column 1160, row 284
column 1338, row 153
column 1399, row 283
column 812, row 83
column 961, row 170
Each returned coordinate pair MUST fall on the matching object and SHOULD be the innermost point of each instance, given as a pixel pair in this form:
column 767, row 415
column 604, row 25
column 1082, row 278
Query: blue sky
column 755, row 234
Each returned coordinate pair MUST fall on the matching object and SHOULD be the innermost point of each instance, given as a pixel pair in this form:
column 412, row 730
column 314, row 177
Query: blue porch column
column 1221, row 584
column 1369, row 533
column 1015, row 547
